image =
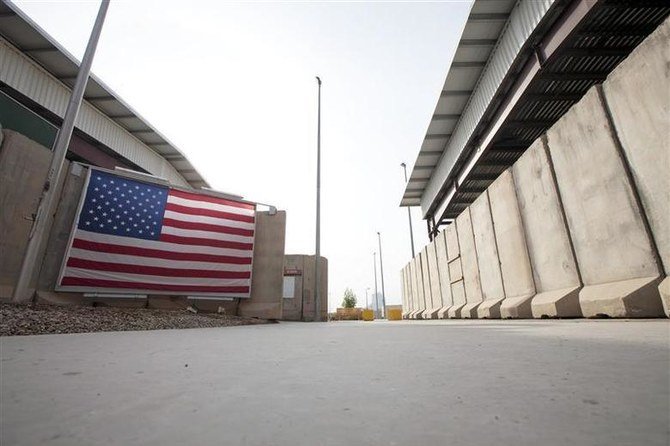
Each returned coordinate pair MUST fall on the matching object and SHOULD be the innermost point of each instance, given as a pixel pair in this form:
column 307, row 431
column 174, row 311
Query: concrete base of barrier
column 557, row 303
column 454, row 312
column 431, row 313
column 517, row 307
column 489, row 309
column 628, row 298
column 442, row 314
column 664, row 289
column 416, row 314
column 469, row 311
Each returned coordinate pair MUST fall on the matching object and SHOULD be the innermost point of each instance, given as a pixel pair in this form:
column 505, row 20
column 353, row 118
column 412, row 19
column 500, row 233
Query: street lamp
column 409, row 213
column 381, row 271
column 317, row 294
column 374, row 254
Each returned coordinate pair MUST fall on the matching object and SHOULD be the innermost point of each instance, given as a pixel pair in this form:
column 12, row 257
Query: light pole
column 48, row 198
column 317, row 294
column 374, row 254
column 381, row 271
column 409, row 213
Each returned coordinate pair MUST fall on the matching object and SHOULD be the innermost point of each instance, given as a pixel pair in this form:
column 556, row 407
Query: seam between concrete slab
column 495, row 243
column 523, row 233
column 552, row 172
column 626, row 167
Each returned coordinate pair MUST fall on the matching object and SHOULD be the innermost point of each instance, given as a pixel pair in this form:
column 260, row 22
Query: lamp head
column 403, row 165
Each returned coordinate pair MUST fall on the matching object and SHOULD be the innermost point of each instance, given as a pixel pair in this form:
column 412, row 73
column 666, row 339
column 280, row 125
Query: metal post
column 374, row 254
column 381, row 271
column 409, row 213
column 317, row 294
column 38, row 233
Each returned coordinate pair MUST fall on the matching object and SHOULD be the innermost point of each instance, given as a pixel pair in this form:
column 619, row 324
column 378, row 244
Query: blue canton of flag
column 119, row 206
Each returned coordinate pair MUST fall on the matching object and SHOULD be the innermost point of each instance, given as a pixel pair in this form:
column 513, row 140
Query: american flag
column 134, row 236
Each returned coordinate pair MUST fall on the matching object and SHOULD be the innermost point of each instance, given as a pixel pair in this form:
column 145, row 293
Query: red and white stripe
column 205, row 248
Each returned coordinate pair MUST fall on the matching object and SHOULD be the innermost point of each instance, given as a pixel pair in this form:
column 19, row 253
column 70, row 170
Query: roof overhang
column 29, row 38
column 568, row 47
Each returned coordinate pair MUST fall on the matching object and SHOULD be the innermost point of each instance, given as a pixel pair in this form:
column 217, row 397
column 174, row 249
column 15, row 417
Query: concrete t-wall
column 443, row 274
column 555, row 272
column 301, row 306
column 292, row 306
column 613, row 248
column 419, row 287
column 430, row 310
column 487, row 258
column 405, row 292
column 517, row 274
column 637, row 95
column 268, row 273
column 470, row 268
column 23, row 169
column 23, row 165
column 455, row 268
column 435, row 285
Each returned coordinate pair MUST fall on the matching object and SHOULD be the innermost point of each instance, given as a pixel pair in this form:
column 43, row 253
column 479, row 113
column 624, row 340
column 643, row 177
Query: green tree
column 349, row 300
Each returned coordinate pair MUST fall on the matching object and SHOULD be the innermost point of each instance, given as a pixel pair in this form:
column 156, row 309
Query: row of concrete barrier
column 578, row 226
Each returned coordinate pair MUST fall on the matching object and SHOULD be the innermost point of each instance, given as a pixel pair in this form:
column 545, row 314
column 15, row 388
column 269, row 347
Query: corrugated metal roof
column 573, row 48
column 103, row 116
column 485, row 24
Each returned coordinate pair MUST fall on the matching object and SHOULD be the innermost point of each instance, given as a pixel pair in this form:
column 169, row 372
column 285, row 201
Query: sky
column 232, row 85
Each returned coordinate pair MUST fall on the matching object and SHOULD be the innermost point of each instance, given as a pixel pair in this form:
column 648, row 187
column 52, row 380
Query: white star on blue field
column 120, row 206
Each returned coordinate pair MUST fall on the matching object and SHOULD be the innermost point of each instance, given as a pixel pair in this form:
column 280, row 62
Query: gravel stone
column 17, row 320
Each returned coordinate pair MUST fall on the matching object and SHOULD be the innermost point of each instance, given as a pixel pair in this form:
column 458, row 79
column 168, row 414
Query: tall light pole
column 381, row 271
column 374, row 254
column 38, row 232
column 409, row 213
column 317, row 293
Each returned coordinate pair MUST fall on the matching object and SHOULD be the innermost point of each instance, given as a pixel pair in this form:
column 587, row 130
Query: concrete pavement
column 471, row 382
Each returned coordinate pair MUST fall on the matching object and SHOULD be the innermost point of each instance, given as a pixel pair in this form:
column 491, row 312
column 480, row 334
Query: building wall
column 579, row 225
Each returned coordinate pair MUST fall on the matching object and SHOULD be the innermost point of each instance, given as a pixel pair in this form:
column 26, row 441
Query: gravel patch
column 16, row 320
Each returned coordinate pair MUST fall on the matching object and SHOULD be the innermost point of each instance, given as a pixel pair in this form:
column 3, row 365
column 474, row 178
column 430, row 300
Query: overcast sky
column 232, row 85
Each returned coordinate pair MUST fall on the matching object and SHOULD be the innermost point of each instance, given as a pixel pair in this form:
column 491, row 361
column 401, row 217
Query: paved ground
column 441, row 383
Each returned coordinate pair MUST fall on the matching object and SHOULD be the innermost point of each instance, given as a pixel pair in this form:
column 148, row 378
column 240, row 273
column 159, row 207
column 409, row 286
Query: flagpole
column 38, row 232
column 317, row 291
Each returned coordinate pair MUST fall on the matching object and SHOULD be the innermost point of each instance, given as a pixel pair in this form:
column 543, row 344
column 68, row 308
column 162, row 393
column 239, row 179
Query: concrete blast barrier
column 435, row 285
column 417, row 276
column 517, row 274
column 23, row 169
column 430, row 311
column 637, row 94
column 555, row 273
column 471, row 277
column 443, row 273
column 613, row 248
column 407, row 309
column 455, row 271
column 403, row 287
column 492, row 289
column 410, row 287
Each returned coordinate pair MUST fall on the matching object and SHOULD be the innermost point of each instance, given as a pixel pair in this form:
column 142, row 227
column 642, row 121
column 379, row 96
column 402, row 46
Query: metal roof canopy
column 573, row 46
column 33, row 41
